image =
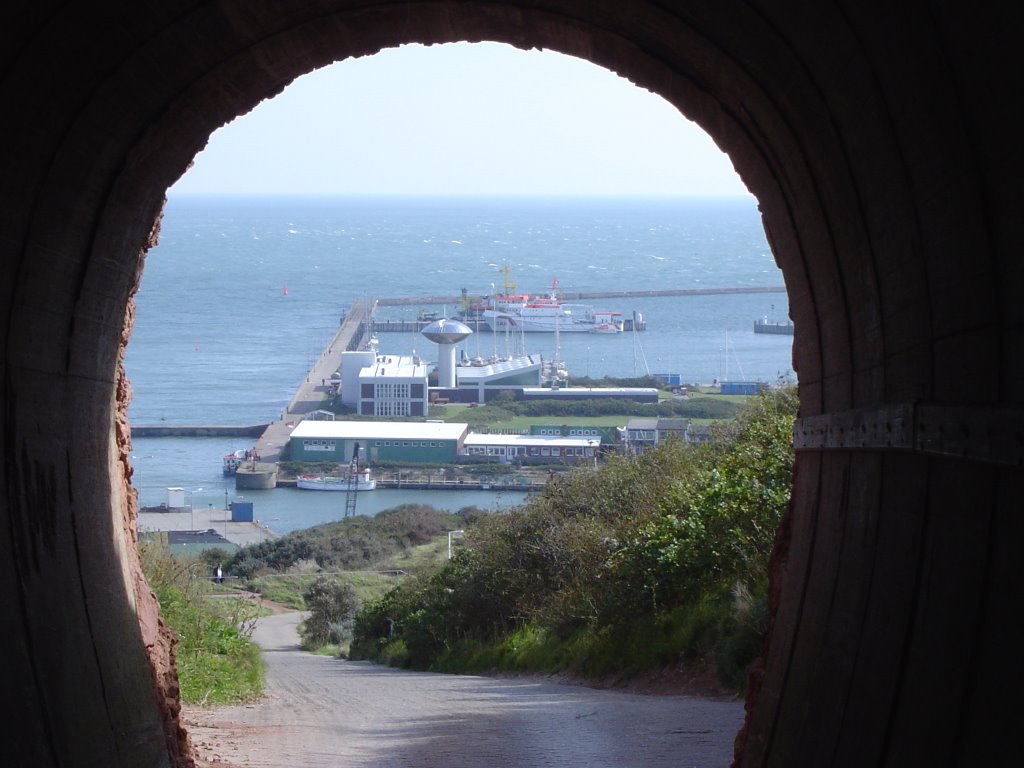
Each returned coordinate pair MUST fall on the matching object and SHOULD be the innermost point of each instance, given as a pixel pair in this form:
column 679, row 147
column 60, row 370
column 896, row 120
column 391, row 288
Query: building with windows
column 641, row 434
column 481, row 381
column 405, row 442
column 529, row 449
column 384, row 385
column 607, row 435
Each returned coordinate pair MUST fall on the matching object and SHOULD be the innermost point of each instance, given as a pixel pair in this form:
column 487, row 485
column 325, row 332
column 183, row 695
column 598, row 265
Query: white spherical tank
column 446, row 333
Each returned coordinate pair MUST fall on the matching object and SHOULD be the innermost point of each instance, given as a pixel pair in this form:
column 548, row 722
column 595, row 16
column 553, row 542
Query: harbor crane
column 353, row 481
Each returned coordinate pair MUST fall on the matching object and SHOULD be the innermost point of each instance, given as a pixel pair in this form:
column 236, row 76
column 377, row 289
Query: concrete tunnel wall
column 879, row 143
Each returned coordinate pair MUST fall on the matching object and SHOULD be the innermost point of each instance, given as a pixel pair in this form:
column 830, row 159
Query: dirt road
column 328, row 713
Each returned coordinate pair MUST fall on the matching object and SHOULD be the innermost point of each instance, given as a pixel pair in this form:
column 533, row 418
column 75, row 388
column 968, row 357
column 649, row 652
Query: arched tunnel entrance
column 880, row 147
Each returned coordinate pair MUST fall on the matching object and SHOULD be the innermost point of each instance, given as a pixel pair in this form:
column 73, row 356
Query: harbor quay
column 201, row 527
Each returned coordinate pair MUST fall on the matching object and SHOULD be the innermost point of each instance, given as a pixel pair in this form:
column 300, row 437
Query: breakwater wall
column 184, row 430
column 575, row 296
column 455, row 485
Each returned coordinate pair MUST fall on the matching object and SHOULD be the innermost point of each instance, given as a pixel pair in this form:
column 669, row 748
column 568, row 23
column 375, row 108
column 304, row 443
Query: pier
column 404, row 301
column 414, row 326
column 185, row 430
column 353, row 330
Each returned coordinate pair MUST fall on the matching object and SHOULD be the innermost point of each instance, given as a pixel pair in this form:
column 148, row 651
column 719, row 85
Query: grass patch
column 288, row 588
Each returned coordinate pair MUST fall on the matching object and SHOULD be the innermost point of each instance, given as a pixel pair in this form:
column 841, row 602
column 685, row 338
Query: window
column 319, row 445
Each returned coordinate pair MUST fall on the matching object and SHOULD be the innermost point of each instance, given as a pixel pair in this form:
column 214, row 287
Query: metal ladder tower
column 353, row 480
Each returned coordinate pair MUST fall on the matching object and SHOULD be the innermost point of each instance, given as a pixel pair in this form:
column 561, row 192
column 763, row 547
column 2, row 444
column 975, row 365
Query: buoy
column 284, row 291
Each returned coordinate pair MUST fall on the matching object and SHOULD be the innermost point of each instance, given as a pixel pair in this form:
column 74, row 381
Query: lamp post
column 460, row 531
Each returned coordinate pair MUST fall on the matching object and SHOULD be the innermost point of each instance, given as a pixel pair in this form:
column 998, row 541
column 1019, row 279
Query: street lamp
column 460, row 532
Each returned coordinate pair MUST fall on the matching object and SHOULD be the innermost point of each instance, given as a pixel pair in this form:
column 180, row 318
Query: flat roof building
column 407, row 442
column 388, row 385
column 488, row 378
column 530, row 448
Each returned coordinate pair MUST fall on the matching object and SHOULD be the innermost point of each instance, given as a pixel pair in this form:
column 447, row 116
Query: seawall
column 185, row 430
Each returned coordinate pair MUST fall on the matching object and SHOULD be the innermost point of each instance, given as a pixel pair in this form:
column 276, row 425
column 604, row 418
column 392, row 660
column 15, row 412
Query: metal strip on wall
column 989, row 434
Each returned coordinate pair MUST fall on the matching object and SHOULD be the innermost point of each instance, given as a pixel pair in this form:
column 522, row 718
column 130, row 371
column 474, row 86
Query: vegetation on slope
column 649, row 561
column 217, row 661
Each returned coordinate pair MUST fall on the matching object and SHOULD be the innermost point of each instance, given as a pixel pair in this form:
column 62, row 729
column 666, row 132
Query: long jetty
column 186, row 430
column 352, row 330
column 401, row 301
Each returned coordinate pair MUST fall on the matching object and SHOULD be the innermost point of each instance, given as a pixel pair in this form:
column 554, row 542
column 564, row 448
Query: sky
column 462, row 118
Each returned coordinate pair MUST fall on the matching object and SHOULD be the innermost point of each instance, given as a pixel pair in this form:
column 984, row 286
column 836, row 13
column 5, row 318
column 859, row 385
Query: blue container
column 241, row 511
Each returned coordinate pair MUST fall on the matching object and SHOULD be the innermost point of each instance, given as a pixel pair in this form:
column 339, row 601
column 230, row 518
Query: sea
column 242, row 293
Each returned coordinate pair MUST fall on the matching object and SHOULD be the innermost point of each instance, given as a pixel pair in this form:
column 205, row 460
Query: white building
column 530, row 448
column 384, row 385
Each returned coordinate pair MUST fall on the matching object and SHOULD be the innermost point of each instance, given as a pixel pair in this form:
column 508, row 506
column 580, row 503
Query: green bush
column 648, row 561
column 332, row 606
column 352, row 544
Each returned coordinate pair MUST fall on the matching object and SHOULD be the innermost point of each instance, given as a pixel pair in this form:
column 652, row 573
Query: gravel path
column 321, row 712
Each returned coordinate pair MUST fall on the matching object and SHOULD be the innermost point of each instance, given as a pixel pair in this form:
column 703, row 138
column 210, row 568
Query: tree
column 332, row 605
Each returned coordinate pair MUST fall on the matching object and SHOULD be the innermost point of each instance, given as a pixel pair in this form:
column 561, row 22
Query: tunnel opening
column 881, row 153
column 207, row 287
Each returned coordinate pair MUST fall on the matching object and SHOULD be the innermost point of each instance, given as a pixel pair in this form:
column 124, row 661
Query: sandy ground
column 322, row 712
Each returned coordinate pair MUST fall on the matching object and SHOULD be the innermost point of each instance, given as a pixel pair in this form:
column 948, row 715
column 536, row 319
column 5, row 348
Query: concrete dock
column 200, row 519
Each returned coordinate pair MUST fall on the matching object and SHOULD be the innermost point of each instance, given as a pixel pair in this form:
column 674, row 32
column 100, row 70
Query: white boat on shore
column 360, row 480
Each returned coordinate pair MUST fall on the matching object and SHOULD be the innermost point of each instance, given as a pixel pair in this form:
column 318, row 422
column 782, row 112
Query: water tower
column 447, row 333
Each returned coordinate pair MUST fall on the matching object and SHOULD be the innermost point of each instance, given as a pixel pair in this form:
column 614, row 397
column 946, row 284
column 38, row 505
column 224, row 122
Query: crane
column 353, row 481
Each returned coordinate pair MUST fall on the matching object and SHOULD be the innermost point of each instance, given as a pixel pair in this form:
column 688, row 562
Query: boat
column 764, row 325
column 233, row 461
column 359, row 480
column 522, row 313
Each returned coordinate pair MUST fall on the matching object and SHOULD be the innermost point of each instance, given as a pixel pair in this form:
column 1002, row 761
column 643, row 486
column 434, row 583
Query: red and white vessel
column 522, row 313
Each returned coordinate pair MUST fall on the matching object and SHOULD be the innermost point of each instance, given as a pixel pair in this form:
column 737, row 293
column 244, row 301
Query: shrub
column 332, row 606
column 649, row 560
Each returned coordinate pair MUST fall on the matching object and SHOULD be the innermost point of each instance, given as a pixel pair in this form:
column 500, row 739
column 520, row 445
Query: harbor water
column 242, row 294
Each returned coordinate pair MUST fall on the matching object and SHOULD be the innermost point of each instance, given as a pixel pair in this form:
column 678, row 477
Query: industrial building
column 384, row 385
column 530, row 449
column 481, row 381
column 405, row 442
column 397, row 385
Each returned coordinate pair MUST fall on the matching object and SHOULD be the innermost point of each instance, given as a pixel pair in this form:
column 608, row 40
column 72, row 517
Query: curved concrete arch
column 878, row 143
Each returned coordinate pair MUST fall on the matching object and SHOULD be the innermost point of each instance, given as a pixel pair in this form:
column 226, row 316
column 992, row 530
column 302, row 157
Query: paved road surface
column 322, row 712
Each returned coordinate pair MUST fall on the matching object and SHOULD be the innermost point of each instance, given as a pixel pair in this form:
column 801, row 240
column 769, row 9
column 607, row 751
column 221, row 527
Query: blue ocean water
column 242, row 294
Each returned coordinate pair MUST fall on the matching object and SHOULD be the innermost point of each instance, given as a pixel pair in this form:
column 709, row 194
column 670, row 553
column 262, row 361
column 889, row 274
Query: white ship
column 522, row 313
column 360, row 480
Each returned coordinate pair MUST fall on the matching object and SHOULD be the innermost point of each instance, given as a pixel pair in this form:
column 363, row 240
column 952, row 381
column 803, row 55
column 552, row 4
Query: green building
column 608, row 435
column 401, row 442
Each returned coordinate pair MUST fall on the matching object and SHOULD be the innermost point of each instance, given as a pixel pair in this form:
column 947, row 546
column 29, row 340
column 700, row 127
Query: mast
column 351, row 492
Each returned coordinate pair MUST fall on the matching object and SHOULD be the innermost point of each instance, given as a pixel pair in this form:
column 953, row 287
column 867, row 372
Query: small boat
column 233, row 461
column 360, row 480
